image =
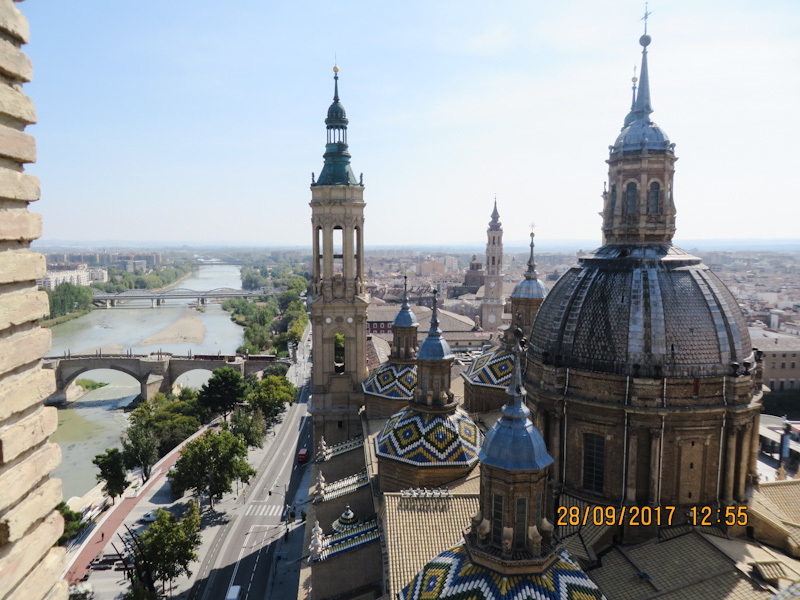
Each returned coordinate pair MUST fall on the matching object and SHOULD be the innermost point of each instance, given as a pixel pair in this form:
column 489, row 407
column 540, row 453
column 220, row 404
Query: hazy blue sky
column 202, row 121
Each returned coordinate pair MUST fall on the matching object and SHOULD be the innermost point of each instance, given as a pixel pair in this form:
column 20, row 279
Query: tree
column 72, row 523
column 222, row 391
column 112, row 472
column 210, row 463
column 170, row 544
column 273, row 393
column 249, row 428
column 140, row 448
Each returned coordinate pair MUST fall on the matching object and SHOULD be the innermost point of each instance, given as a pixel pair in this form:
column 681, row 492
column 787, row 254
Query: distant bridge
column 157, row 297
column 155, row 372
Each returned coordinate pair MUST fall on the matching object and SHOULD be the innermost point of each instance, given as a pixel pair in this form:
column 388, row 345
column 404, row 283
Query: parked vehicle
column 149, row 516
column 233, row 592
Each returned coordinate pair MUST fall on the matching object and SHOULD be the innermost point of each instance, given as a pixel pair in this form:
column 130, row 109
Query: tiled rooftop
column 687, row 567
column 418, row 529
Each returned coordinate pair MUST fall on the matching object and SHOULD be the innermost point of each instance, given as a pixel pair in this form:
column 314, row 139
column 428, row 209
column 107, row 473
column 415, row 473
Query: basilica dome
column 642, row 310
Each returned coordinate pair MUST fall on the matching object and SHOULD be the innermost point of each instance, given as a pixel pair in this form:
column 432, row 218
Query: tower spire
column 642, row 107
column 337, row 169
column 531, row 273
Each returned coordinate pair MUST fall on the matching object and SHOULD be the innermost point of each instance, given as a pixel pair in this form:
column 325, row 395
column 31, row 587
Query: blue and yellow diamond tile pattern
column 430, row 440
column 452, row 576
column 395, row 382
column 492, row 368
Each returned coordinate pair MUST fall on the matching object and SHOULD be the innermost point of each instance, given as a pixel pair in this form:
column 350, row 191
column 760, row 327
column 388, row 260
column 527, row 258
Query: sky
column 201, row 122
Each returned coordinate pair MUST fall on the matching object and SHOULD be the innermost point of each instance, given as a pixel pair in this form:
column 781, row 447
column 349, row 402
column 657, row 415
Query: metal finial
column 335, row 82
column 644, row 18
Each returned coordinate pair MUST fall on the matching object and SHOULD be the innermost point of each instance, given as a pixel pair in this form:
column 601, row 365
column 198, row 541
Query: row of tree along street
column 208, row 465
column 277, row 322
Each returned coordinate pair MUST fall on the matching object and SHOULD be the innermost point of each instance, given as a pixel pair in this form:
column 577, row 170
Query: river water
column 96, row 421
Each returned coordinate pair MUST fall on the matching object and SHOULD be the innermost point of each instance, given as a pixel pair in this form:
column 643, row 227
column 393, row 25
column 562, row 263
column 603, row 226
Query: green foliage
column 272, row 395
column 338, row 348
column 223, row 391
column 140, row 447
column 210, row 463
column 67, row 298
column 72, row 523
column 88, row 384
column 249, row 428
column 171, row 419
column 276, row 369
column 171, row 545
column 112, row 472
column 139, row 592
column 79, row 592
column 157, row 277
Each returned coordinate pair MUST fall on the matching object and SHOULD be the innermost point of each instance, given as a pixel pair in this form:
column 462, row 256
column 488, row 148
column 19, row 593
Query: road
column 257, row 549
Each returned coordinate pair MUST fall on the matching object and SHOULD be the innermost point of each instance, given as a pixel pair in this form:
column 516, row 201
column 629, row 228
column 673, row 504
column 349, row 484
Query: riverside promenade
column 108, row 524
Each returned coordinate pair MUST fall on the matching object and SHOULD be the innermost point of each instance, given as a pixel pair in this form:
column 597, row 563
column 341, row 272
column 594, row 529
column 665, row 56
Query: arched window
column 613, row 198
column 339, row 353
column 654, row 199
column 631, row 199
column 493, row 261
column 497, row 518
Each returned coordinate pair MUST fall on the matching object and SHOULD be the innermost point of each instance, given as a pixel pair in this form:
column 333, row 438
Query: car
column 302, row 456
column 149, row 516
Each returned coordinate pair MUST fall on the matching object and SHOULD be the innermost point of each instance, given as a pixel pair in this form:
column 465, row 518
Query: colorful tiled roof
column 392, row 381
column 346, row 522
column 430, row 439
column 491, row 369
column 452, row 576
column 339, row 543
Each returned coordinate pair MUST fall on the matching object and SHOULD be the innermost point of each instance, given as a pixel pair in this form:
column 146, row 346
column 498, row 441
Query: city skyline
column 187, row 116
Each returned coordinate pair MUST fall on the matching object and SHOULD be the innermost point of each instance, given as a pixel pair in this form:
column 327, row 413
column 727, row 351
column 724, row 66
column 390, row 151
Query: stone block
column 60, row 591
column 49, row 569
column 19, row 186
column 17, row 105
column 14, row 63
column 16, row 309
column 21, row 266
column 23, row 391
column 36, row 506
column 20, row 225
column 13, row 21
column 17, row 480
column 28, row 552
column 26, row 433
column 16, row 144
column 23, row 348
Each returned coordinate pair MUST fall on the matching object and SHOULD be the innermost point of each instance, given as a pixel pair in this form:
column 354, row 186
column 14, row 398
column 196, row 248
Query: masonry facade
column 30, row 567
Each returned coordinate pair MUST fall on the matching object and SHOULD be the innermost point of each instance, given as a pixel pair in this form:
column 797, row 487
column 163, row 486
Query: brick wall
column 29, row 565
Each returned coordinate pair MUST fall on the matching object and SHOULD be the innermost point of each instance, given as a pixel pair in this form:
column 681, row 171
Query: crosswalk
column 263, row 510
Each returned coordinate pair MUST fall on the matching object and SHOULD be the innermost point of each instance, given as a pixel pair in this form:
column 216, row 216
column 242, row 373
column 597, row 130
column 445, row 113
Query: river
column 96, row 421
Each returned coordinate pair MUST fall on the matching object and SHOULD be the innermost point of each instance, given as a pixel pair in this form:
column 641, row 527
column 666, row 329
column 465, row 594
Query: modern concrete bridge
column 155, row 373
column 157, row 297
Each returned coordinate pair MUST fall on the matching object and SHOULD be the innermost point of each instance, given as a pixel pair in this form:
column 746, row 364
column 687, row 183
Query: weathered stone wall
column 29, row 526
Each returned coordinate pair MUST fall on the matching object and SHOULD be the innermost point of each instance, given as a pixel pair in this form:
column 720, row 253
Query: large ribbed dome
column 642, row 310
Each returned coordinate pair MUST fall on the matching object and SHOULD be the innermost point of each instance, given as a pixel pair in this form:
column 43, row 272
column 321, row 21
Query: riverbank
column 188, row 328
column 47, row 323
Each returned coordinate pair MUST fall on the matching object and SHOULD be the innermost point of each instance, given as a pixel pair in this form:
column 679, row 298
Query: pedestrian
column 102, row 535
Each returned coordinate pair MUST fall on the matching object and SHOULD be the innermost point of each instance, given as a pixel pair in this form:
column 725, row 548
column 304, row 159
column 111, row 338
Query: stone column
column 315, row 251
column 744, row 463
column 655, row 462
column 754, row 443
column 730, row 457
column 630, row 484
column 347, row 253
column 360, row 270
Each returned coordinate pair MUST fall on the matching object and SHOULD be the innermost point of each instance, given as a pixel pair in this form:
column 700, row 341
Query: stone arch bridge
column 155, row 372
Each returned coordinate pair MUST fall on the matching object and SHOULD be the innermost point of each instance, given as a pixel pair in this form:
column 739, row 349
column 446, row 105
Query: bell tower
column 338, row 299
column 492, row 306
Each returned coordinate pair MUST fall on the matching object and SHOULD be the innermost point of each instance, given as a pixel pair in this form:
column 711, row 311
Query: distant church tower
column 338, row 297
column 492, row 306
